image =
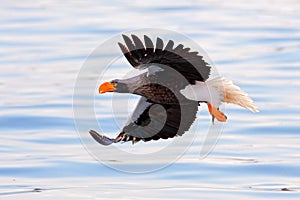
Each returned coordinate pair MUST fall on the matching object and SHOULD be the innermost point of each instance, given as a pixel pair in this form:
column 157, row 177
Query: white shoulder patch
column 152, row 69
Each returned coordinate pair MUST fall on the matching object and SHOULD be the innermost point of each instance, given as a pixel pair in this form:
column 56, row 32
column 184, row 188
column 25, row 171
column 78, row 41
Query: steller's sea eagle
column 168, row 104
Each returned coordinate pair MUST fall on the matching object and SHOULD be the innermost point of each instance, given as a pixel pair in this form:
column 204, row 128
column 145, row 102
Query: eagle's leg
column 215, row 113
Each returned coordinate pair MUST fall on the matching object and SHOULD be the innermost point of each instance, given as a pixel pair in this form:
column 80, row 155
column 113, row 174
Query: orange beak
column 106, row 87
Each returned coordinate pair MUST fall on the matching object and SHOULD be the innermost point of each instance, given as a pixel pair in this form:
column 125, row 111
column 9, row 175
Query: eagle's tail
column 232, row 93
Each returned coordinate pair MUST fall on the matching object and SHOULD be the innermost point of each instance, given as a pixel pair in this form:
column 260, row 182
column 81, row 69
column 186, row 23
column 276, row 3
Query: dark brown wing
column 189, row 64
column 152, row 121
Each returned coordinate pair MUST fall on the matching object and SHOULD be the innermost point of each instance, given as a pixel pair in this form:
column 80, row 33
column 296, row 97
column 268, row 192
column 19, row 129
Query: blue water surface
column 44, row 44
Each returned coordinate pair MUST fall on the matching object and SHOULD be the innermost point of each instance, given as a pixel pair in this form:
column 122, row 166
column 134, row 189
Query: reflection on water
column 44, row 45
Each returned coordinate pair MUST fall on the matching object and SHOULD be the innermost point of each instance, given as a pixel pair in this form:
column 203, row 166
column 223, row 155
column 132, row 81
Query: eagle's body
column 171, row 89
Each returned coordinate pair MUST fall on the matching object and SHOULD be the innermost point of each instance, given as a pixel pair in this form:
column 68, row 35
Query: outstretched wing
column 189, row 64
column 152, row 121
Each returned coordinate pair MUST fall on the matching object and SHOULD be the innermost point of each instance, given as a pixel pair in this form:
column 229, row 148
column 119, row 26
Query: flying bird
column 176, row 80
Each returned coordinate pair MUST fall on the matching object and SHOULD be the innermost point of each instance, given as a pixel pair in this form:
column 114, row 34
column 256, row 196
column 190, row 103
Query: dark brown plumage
column 162, row 112
column 189, row 64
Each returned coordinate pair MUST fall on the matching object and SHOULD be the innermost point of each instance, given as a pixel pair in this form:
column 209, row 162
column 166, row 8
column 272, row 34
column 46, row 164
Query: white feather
column 152, row 69
column 218, row 90
column 202, row 92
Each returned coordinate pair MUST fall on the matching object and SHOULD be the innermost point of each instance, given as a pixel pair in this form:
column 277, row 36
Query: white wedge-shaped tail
column 218, row 90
